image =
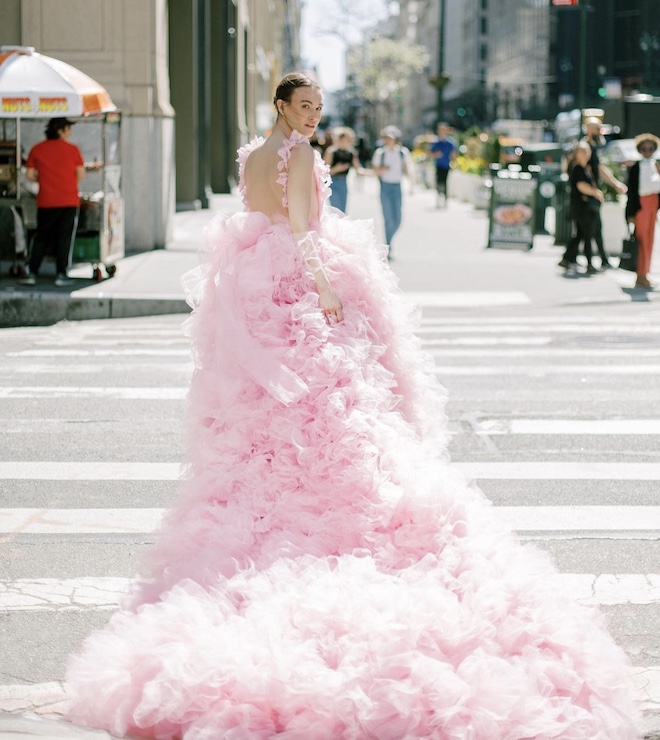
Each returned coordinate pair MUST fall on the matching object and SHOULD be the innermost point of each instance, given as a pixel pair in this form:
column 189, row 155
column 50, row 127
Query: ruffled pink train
column 325, row 574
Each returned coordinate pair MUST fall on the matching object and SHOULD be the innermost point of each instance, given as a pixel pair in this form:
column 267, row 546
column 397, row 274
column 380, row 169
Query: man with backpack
column 391, row 162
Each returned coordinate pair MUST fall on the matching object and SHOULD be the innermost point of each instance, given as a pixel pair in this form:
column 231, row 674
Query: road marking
column 560, row 471
column 75, row 470
column 25, row 370
column 601, row 330
column 550, row 369
column 88, row 471
column 103, row 593
column 542, row 354
column 80, row 392
column 568, row 426
column 620, row 320
column 99, row 353
column 519, row 518
column 468, row 298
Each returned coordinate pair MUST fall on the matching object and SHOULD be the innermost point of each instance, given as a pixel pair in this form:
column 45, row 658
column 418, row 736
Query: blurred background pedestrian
column 444, row 151
column 643, row 204
column 595, row 139
column 391, row 162
column 341, row 157
column 586, row 198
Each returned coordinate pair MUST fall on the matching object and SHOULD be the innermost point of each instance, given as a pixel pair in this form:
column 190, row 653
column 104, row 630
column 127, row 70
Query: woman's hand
column 330, row 305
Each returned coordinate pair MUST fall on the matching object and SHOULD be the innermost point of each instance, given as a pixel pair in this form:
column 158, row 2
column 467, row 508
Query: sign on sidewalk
column 512, row 208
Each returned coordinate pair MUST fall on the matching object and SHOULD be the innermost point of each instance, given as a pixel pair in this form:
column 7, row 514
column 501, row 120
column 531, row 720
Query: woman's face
column 303, row 111
column 647, row 149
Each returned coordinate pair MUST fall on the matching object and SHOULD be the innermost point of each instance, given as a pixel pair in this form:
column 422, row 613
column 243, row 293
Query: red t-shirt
column 55, row 160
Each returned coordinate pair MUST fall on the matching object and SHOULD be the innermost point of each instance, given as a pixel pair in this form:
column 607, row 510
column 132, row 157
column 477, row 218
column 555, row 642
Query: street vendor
column 57, row 166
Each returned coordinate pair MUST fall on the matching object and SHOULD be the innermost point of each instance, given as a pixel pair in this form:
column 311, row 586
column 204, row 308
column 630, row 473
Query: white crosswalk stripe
column 70, row 367
column 616, row 520
column 99, row 594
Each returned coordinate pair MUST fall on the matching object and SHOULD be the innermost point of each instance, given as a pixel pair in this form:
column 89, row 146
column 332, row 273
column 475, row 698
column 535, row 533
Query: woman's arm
column 586, row 189
column 299, row 194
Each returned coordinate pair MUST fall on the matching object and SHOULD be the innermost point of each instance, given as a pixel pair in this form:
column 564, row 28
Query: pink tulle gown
column 324, row 573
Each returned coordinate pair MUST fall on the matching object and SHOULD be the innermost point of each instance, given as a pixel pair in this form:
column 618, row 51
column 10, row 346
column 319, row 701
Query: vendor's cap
column 643, row 138
column 391, row 131
column 57, row 124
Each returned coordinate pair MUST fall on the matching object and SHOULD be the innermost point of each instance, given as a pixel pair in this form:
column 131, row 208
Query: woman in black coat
column 585, row 201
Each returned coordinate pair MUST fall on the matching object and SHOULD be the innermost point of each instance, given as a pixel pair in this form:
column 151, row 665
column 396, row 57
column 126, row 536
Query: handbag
column 629, row 249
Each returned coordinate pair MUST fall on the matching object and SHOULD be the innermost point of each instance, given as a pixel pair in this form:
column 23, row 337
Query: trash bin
column 547, row 176
column 561, row 201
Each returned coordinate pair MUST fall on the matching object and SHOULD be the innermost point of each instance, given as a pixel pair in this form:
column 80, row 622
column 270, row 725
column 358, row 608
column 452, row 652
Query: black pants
column 441, row 179
column 598, row 237
column 56, row 227
column 583, row 232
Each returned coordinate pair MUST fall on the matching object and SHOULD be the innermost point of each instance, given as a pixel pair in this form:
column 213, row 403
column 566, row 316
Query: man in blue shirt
column 444, row 151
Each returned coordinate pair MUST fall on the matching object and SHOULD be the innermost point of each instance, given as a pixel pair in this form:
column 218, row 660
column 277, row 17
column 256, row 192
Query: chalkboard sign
column 512, row 208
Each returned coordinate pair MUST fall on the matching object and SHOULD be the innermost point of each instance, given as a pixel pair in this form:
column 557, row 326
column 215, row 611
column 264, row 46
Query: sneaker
column 28, row 280
column 605, row 265
column 571, row 269
column 591, row 270
column 562, row 263
column 62, row 280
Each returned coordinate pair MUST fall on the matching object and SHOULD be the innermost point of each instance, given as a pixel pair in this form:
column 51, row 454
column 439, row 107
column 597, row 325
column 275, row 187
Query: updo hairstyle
column 289, row 83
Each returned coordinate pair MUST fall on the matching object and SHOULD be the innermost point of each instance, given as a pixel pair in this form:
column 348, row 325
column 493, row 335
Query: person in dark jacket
column 643, row 204
column 599, row 171
column 586, row 198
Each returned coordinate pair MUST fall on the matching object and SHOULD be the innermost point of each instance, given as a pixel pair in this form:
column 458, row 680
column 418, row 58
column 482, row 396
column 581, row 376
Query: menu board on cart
column 512, row 206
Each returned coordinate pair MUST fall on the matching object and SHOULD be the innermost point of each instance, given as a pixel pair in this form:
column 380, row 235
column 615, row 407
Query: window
column 484, row 25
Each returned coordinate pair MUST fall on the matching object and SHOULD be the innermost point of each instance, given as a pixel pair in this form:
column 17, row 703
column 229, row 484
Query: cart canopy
column 36, row 86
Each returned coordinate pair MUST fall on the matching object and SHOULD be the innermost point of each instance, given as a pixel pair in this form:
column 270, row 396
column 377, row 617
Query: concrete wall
column 123, row 44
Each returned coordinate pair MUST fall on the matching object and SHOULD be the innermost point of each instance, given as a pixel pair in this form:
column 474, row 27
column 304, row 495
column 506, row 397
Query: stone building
column 193, row 79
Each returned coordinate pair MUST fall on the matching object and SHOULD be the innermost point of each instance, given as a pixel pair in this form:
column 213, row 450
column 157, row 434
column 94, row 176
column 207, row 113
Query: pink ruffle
column 324, row 573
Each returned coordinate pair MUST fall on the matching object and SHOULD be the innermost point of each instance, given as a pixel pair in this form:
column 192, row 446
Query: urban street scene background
column 552, row 364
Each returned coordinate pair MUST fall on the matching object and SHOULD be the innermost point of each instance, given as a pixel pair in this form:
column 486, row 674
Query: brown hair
column 292, row 82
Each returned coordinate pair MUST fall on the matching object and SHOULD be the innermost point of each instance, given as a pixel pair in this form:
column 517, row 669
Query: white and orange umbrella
column 36, row 86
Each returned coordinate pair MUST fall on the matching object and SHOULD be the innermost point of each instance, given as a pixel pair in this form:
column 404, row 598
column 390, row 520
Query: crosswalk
column 558, row 419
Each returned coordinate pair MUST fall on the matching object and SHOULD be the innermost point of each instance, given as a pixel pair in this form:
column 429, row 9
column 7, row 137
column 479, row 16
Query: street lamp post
column 441, row 59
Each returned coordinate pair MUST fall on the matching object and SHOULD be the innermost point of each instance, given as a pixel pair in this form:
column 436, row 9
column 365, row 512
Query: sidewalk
column 145, row 284
column 437, row 251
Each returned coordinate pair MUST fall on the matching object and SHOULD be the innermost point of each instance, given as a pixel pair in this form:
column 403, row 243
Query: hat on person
column 391, row 131
column 58, row 124
column 593, row 119
column 643, row 138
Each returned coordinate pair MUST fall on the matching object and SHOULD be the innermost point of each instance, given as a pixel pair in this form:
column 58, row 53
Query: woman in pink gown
column 324, row 573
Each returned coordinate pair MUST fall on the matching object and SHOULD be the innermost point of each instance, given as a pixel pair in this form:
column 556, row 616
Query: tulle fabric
column 324, row 572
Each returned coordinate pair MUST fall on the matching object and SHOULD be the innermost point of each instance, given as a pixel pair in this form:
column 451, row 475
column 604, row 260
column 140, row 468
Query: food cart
column 33, row 89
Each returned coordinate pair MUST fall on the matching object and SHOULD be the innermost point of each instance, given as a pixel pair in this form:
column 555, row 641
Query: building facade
column 193, row 79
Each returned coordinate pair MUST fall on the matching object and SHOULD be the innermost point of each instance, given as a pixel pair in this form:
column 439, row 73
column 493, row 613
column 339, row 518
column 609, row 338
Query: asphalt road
column 554, row 408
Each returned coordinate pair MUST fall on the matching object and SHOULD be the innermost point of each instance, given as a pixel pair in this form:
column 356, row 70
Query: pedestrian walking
column 599, row 171
column 643, row 203
column 585, row 202
column 444, row 151
column 57, row 166
column 391, row 162
column 324, row 573
column 341, row 157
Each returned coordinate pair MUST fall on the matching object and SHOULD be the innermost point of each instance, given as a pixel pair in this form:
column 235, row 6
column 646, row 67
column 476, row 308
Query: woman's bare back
column 263, row 192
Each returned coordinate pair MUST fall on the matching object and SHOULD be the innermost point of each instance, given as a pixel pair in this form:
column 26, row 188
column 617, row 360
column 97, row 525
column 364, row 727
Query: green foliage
column 388, row 63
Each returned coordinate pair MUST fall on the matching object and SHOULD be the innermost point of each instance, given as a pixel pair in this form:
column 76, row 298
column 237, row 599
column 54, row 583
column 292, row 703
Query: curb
column 44, row 309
